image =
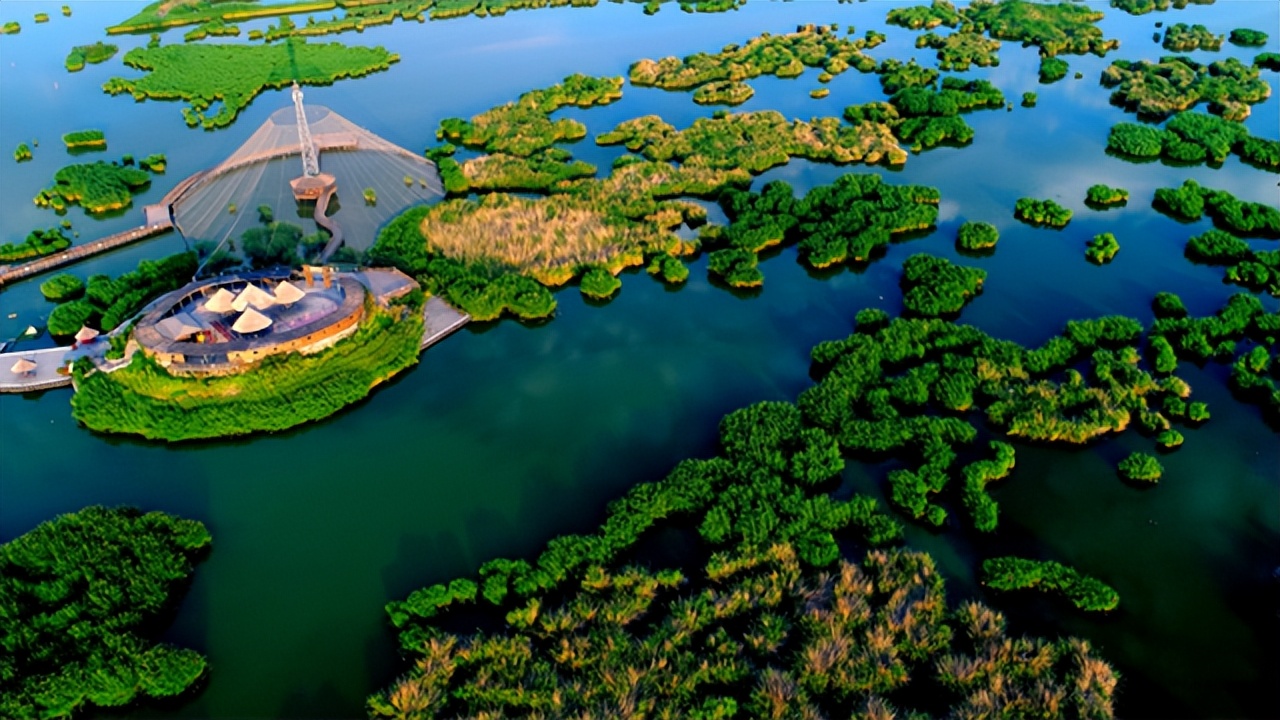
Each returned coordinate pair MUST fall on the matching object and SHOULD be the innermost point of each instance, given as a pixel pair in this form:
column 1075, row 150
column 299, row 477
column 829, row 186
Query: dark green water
column 505, row 436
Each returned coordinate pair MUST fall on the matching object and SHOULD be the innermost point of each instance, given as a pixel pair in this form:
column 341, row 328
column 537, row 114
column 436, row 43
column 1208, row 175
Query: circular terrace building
column 221, row 325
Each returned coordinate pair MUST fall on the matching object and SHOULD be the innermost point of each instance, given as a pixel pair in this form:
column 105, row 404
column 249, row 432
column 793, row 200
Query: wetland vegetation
column 109, row 302
column 81, row 139
column 1181, row 37
column 1176, row 83
column 1015, row 573
column 37, row 243
column 1042, row 212
column 977, row 236
column 84, row 596
column 1102, row 248
column 231, row 76
column 1106, row 196
column 97, row 187
column 91, row 54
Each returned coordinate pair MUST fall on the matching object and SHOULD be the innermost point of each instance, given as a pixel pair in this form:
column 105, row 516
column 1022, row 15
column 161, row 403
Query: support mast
column 310, row 158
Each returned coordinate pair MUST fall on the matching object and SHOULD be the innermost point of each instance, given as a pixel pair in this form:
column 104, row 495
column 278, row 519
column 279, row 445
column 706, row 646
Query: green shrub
column 934, row 286
column 977, row 236
column 22, row 153
column 1102, row 248
column 1013, row 573
column 1169, row 439
column 1028, row 99
column 1042, row 212
column 38, row 243
column 1104, row 196
column 1140, row 467
column 1168, row 305
column 62, row 287
column 1052, row 69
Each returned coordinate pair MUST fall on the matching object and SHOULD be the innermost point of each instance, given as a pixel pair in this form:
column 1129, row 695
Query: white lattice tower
column 310, row 158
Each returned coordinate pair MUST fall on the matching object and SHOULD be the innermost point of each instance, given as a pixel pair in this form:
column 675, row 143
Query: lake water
column 506, row 435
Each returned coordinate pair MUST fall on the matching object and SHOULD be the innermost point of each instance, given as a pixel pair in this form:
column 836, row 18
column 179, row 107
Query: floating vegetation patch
column 524, row 127
column 233, row 75
column 1181, row 37
column 91, row 54
column 1175, row 83
column 97, row 187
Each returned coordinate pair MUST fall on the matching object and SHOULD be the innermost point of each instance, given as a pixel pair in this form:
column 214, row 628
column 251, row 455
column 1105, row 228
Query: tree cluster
column 1041, row 212
column 38, row 243
column 107, row 303
column 1191, row 201
column 1176, row 83
column 1181, row 37
column 81, row 596
column 936, row 287
column 97, row 187
column 1015, row 573
column 1101, row 248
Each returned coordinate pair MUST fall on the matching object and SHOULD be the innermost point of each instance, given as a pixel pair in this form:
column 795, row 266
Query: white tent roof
column 251, row 321
column 219, row 302
column 287, row 293
column 85, row 334
column 252, row 296
column 22, row 366
column 179, row 327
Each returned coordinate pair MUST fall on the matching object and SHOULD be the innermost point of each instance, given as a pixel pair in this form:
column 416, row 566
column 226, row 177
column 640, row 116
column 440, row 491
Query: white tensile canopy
column 219, row 302
column 252, row 296
column 178, row 327
column 287, row 293
column 22, row 367
column 251, row 321
column 85, row 334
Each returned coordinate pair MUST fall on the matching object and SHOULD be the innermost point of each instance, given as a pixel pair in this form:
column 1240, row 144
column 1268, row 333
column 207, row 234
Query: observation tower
column 312, row 184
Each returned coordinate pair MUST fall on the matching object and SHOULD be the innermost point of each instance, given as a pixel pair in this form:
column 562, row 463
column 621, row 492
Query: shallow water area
column 507, row 435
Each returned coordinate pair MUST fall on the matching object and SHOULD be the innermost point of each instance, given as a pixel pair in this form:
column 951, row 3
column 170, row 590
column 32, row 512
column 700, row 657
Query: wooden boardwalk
column 11, row 273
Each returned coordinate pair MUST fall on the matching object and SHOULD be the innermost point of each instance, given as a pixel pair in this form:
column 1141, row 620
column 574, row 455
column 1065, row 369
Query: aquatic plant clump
column 280, row 392
column 524, row 127
column 599, row 284
column 977, row 236
column 925, row 17
column 936, row 287
column 724, row 92
column 1247, row 37
column 1102, row 248
column 1041, row 212
column 783, row 56
column 84, row 139
column 1106, row 196
column 1177, row 83
column 959, row 50
column 1062, row 28
column 1142, row 7
column 97, row 187
column 1140, row 467
column 1255, row 270
column 1267, row 61
column 62, row 287
column 37, row 243
column 1181, row 37
column 1015, row 573
column 81, row 595
column 90, row 54
column 231, row 76
column 22, row 153
column 1052, row 69
column 849, row 220
column 1191, row 201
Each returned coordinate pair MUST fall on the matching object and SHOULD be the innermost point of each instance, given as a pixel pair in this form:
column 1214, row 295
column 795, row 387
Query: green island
column 1052, row 69
column 1015, row 573
column 1142, row 7
column 1258, row 270
column 1029, row 99
column 723, row 92
column 80, row 139
column 37, row 243
column 66, row 11
column 957, row 51
column 1102, row 248
column 109, row 302
column 922, row 17
column 1169, row 439
column 22, row 153
column 819, row 93
column 1267, row 61
column 1181, row 37
column 731, row 630
column 91, row 54
column 154, row 163
column 1055, row 28
column 1192, row 138
column 62, row 287
column 12, row 27
column 1041, row 212
column 1140, row 467
column 783, row 56
column 524, row 127
column 1104, row 196
column 923, row 117
column 1191, row 201
column 1247, row 37
column 84, row 596
column 277, row 393
column 42, row 17
column 936, row 287
column 977, row 236
column 231, row 76
column 1176, row 83
column 213, row 28
column 97, row 187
